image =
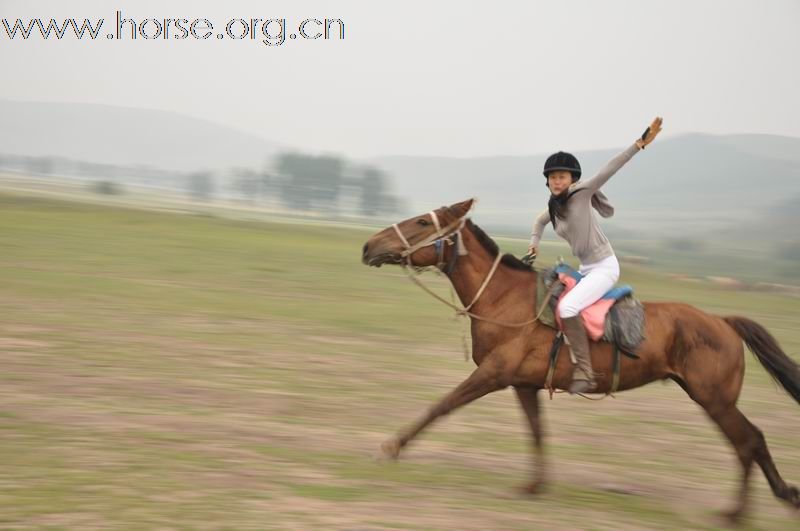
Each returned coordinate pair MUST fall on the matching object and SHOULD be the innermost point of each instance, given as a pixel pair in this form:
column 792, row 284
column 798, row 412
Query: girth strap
column 553, row 357
column 615, row 378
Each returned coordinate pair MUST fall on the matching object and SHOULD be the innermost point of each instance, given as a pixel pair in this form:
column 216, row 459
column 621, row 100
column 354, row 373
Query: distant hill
column 778, row 223
column 126, row 136
column 728, row 185
column 676, row 184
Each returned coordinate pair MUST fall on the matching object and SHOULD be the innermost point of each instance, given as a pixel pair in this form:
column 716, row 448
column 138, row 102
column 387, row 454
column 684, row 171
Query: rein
column 445, row 233
column 437, row 239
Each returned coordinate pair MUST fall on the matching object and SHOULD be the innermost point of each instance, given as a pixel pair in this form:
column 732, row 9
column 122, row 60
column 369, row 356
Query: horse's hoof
column 793, row 497
column 732, row 517
column 390, row 449
column 532, row 489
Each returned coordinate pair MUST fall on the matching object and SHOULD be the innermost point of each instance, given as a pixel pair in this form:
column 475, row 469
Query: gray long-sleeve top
column 580, row 227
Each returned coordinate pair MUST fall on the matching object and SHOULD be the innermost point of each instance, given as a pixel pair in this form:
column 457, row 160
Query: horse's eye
column 423, row 222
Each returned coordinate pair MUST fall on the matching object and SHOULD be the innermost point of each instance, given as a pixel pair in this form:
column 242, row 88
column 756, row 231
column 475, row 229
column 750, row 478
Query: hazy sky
column 455, row 78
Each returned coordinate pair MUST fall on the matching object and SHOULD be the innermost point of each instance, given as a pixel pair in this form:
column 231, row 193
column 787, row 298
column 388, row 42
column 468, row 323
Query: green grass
column 182, row 371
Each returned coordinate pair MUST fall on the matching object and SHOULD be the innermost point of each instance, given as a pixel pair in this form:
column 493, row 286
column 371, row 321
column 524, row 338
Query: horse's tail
column 761, row 343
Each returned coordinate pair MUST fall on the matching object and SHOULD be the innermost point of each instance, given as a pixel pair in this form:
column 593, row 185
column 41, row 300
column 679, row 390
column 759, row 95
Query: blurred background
column 190, row 340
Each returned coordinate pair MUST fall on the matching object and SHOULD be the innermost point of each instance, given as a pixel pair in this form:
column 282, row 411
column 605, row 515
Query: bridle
column 451, row 233
column 447, row 235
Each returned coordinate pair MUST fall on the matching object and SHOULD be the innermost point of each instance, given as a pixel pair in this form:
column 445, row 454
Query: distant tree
column 373, row 186
column 683, row 244
column 201, row 186
column 267, row 183
column 308, row 181
column 393, row 204
column 293, row 182
column 106, row 188
column 39, row 165
column 247, row 183
column 790, row 251
column 374, row 197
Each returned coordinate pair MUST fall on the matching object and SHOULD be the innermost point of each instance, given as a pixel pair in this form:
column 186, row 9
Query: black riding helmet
column 563, row 161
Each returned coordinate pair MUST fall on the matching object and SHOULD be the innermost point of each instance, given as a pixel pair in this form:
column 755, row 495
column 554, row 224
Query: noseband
column 449, row 234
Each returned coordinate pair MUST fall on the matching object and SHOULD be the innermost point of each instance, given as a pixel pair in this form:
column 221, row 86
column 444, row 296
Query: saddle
column 617, row 317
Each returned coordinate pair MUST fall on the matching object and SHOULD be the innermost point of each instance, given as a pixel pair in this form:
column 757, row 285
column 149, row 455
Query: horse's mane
column 493, row 249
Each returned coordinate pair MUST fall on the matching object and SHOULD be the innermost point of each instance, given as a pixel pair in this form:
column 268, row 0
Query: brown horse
column 703, row 353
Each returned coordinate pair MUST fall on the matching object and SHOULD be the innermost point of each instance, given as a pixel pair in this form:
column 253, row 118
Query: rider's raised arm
column 610, row 169
column 538, row 227
column 619, row 161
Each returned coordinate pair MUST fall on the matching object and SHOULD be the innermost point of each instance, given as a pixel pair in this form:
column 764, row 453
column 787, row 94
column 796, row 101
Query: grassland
column 177, row 371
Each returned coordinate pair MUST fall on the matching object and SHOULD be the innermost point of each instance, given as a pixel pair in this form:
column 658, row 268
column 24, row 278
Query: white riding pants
column 599, row 277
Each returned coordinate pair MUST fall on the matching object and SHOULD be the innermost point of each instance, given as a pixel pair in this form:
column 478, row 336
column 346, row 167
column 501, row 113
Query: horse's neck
column 471, row 271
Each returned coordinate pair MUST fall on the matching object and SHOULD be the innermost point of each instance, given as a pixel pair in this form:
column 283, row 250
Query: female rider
column 570, row 212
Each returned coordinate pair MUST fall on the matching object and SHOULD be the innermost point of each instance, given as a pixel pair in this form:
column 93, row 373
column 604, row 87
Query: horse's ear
column 460, row 209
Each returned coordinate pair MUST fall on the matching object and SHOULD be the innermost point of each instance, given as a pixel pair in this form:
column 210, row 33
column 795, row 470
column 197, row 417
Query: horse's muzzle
column 382, row 258
column 377, row 259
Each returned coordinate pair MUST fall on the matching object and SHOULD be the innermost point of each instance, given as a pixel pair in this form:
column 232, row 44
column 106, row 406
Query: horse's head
column 413, row 240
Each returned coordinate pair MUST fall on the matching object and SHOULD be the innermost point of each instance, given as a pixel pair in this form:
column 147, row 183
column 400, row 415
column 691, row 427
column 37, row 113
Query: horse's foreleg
column 529, row 400
column 481, row 382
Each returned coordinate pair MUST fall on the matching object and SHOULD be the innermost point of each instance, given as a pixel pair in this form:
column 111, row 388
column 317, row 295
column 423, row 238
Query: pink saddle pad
column 594, row 316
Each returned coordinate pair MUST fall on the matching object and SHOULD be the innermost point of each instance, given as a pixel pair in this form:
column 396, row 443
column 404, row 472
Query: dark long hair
column 557, row 206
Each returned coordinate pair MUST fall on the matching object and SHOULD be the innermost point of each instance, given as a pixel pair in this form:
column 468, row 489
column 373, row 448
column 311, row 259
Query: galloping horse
column 702, row 353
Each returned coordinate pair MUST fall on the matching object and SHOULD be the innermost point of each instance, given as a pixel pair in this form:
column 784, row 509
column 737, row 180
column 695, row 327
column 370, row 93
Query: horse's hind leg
column 710, row 359
column 713, row 378
column 719, row 401
column 745, row 440
column 529, row 400
column 779, row 487
column 750, row 445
